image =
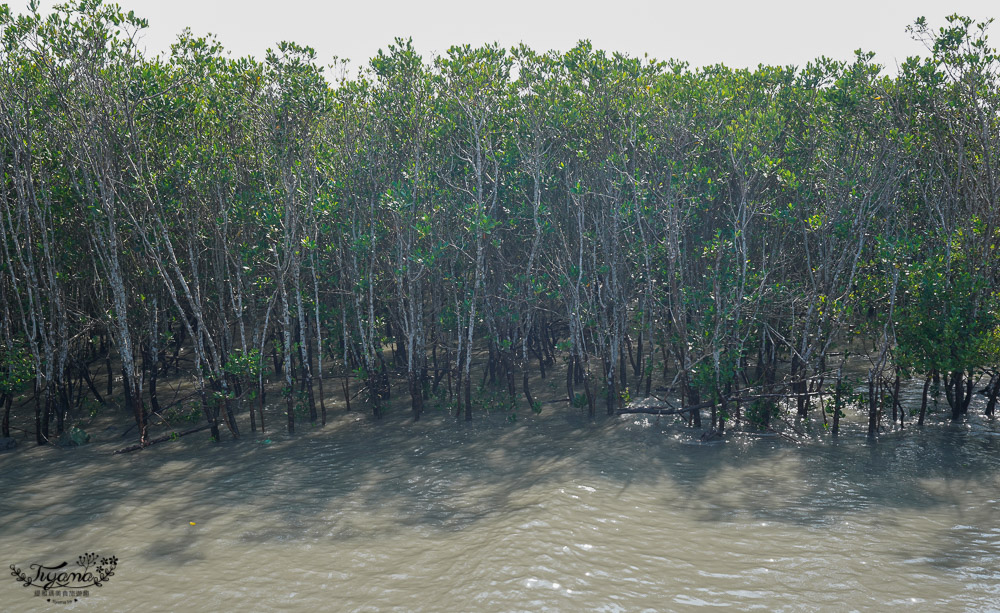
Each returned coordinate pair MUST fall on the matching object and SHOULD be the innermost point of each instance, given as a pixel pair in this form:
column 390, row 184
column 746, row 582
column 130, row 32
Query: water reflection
column 551, row 513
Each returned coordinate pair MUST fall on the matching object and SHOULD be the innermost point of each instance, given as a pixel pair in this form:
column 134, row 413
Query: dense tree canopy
column 624, row 217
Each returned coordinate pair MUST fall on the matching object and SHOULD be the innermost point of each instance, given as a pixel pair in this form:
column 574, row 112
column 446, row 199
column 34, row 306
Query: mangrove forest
column 197, row 237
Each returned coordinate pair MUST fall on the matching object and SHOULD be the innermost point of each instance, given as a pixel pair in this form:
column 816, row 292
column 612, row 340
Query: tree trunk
column 872, row 408
column 346, row 384
column 570, row 367
column 588, row 389
column 896, row 406
column 154, row 401
column 612, row 387
column 260, row 404
column 84, row 371
column 62, row 406
column 992, row 392
column 7, row 399
column 211, row 415
column 622, row 370
column 111, row 375
column 527, row 391
column 969, row 383
column 227, row 408
column 47, row 413
column 322, row 402
column 416, row 396
column 468, row 397
column 799, row 385
column 38, row 417
column 695, row 399
column 837, row 400
column 956, row 397
column 923, row 401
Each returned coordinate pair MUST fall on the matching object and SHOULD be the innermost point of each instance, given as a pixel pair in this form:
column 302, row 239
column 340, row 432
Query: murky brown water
column 549, row 513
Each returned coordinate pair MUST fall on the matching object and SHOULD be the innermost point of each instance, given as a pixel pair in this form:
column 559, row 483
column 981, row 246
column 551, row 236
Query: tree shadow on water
column 358, row 479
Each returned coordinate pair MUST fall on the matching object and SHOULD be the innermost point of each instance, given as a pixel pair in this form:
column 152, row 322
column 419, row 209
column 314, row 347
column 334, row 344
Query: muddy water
column 548, row 513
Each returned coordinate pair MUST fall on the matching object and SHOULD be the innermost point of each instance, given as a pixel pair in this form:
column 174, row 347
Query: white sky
column 701, row 32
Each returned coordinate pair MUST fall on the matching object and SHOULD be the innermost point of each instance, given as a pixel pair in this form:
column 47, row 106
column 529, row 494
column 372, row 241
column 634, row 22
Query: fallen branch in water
column 165, row 437
column 704, row 405
column 658, row 411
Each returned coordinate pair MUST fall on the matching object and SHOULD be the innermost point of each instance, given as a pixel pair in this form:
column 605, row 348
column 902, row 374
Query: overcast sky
column 701, row 32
